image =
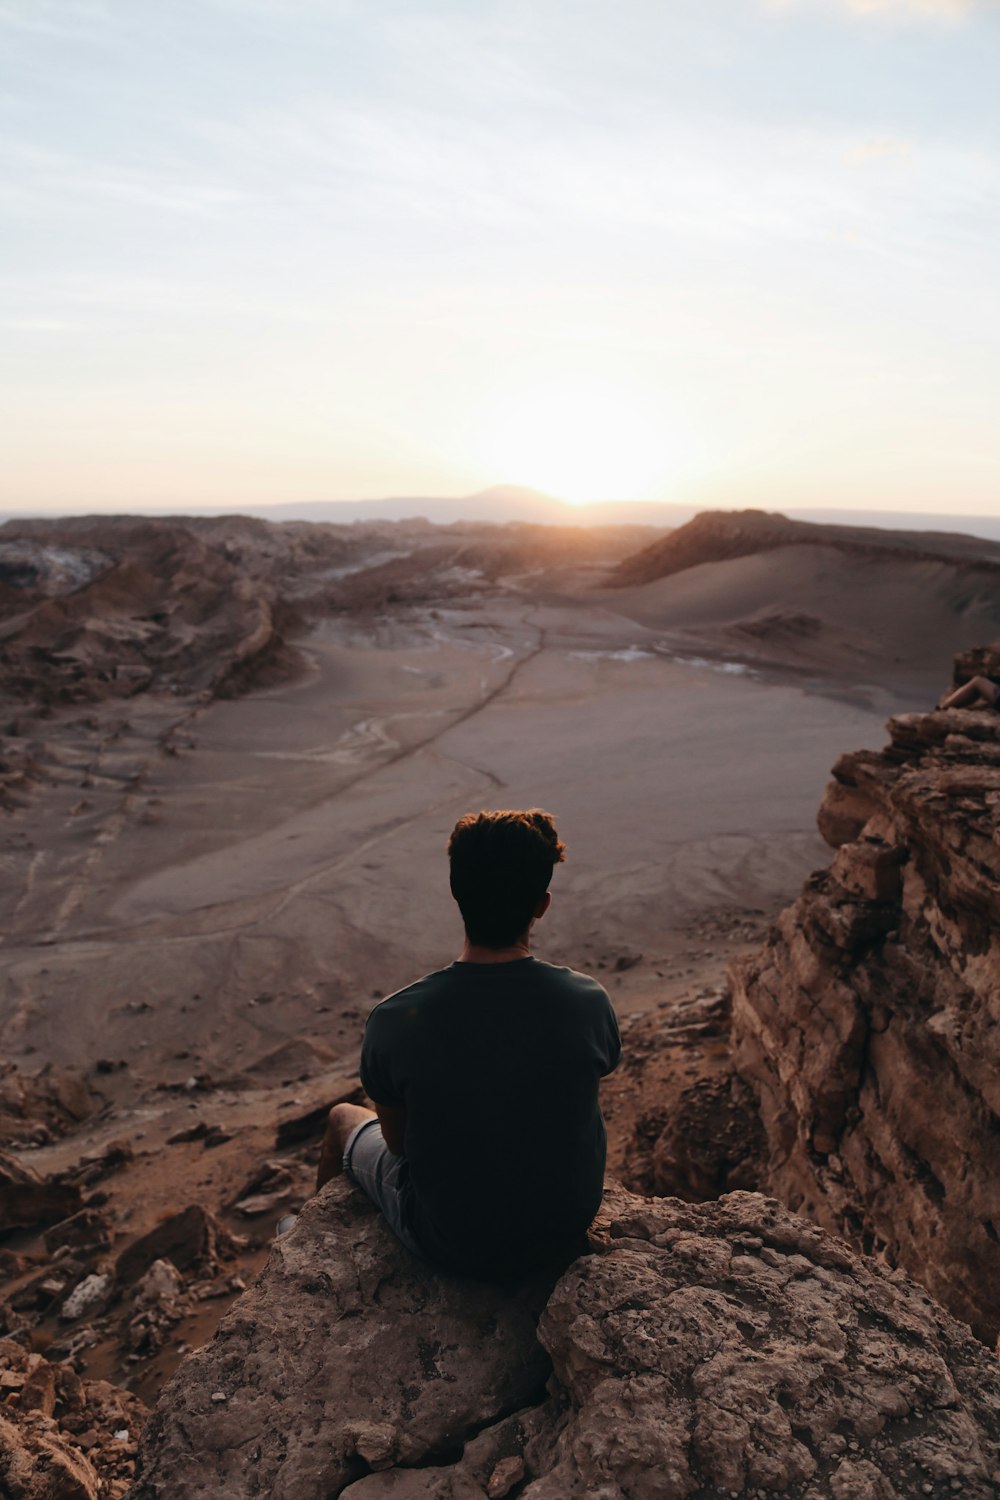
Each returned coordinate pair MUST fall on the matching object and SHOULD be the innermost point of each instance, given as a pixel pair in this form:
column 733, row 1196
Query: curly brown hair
column 501, row 865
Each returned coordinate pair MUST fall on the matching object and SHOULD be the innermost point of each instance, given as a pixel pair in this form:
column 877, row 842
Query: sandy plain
column 292, row 845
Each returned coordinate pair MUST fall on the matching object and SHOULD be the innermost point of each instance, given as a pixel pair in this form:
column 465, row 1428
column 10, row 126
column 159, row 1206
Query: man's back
column 497, row 1067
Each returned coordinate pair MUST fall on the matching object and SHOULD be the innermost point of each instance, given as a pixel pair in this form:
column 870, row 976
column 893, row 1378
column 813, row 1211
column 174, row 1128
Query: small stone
column 84, row 1298
column 219, row 1396
column 508, row 1472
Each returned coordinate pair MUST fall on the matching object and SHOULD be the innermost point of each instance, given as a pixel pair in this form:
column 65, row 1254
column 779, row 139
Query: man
column 486, row 1149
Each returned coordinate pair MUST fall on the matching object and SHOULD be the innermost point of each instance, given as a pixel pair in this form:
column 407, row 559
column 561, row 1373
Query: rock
column 403, row 1363
column 292, row 1061
column 49, row 1286
column 87, row 1230
column 159, row 1302
column 38, row 1393
column 508, row 1472
column 12, row 1264
column 312, row 1122
column 161, row 1283
column 43, row 1104
column 87, row 1297
column 100, row 1164
column 274, row 1186
column 866, row 1026
column 681, row 1122
column 57, row 1432
column 188, row 1239
column 195, row 1132
column 718, row 1349
column 37, row 1466
column 28, row 1201
column 731, row 1348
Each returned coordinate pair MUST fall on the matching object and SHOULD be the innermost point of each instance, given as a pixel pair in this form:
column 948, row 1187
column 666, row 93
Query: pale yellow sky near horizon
column 727, row 255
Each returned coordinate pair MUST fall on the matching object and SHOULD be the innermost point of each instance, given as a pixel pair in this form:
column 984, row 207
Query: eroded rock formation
column 724, row 1348
column 868, row 1024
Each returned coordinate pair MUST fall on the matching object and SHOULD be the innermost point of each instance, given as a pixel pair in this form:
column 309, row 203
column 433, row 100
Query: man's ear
column 542, row 905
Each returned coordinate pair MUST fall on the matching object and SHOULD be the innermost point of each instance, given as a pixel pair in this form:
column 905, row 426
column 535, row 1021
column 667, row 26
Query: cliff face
column 726, row 1348
column 868, row 1024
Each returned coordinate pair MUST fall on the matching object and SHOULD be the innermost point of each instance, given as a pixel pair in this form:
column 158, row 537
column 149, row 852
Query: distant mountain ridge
column 509, row 502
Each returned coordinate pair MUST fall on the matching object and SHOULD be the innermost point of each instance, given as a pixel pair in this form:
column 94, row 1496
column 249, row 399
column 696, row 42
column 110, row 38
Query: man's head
column 501, row 865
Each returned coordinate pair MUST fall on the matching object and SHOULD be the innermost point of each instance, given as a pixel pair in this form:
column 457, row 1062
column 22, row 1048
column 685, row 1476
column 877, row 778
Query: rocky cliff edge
column 867, row 1026
column 720, row 1349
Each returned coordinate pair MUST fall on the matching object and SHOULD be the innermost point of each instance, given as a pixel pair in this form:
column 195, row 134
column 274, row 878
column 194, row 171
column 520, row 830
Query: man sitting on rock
column 486, row 1150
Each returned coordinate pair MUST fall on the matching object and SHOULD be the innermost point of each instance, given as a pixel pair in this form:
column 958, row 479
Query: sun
column 580, row 440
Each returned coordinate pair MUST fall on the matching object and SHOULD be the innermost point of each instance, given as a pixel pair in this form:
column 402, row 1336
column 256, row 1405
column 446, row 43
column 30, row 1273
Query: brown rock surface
column 867, row 1026
column 726, row 1348
column 347, row 1355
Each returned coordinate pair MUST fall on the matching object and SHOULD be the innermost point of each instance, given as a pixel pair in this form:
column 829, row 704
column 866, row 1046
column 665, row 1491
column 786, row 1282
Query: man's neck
column 474, row 953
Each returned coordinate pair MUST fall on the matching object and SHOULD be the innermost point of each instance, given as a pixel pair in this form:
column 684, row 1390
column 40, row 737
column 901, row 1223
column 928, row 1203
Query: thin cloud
column 935, row 10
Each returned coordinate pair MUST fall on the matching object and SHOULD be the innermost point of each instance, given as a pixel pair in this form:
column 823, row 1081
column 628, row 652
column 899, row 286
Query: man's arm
column 392, row 1118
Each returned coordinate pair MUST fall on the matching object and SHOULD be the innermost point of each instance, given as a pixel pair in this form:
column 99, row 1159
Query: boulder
column 28, row 1201
column 346, row 1355
column 719, row 1349
column 187, row 1239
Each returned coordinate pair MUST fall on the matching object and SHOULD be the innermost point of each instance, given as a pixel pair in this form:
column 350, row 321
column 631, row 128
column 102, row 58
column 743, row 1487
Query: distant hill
column 719, row 535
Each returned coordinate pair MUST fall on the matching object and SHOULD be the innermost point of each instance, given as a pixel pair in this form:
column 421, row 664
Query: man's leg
column 341, row 1121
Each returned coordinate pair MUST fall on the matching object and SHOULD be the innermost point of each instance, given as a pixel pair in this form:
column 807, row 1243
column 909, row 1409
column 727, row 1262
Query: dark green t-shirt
column 497, row 1067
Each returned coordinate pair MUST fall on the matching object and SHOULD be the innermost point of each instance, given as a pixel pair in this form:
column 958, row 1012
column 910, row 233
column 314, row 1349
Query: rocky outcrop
column 106, row 608
column 726, row 1348
column 868, row 1024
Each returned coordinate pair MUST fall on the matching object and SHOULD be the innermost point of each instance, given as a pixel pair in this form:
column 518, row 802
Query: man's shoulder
column 572, row 980
column 414, row 993
column 572, row 992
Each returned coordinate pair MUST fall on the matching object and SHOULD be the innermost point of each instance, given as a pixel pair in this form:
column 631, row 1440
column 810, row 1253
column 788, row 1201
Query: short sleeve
column 376, row 1071
column 612, row 1038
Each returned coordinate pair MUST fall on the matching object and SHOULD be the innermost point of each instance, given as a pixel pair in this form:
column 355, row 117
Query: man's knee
column 345, row 1118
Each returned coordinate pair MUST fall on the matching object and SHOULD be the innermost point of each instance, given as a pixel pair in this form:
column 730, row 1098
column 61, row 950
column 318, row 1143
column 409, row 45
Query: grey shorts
column 370, row 1164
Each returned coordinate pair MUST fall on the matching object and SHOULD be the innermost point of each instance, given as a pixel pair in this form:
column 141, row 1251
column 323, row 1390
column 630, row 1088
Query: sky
column 711, row 252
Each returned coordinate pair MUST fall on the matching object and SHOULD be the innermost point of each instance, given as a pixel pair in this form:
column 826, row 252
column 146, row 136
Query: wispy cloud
column 59, row 20
column 937, row 10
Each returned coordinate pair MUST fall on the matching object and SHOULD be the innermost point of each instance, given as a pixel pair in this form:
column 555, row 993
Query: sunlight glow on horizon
column 723, row 255
column 581, row 440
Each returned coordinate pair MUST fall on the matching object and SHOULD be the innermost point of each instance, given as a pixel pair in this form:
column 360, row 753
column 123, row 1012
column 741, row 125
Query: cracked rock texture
column 868, row 1024
column 701, row 1350
column 346, row 1355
